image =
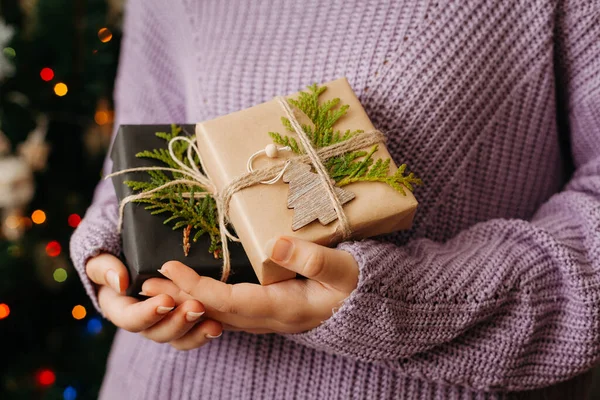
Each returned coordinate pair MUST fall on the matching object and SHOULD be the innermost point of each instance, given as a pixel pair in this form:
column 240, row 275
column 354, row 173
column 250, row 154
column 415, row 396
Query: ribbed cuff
column 341, row 332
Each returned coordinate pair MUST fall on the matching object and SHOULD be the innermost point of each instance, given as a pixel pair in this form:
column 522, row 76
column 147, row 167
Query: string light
column 9, row 52
column 101, row 117
column 38, row 217
column 53, row 249
column 105, row 35
column 70, row 393
column 79, row 312
column 74, row 220
column 94, row 326
column 46, row 377
column 60, row 89
column 47, row 74
column 4, row 311
column 25, row 222
column 13, row 222
column 60, row 275
column 14, row 250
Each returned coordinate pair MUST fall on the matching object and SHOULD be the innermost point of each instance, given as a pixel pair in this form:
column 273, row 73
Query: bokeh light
column 9, row 52
column 60, row 274
column 25, row 222
column 61, row 89
column 47, row 74
column 94, row 326
column 53, row 249
column 15, row 250
column 74, row 220
column 105, row 35
column 70, row 393
column 101, row 117
column 79, row 312
column 46, row 377
column 13, row 222
column 4, row 311
column 38, row 217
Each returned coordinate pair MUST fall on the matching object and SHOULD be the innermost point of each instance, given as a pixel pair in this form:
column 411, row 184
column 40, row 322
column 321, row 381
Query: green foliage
column 178, row 202
column 354, row 166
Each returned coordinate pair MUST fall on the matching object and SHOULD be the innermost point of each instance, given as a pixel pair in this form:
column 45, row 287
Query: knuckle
column 228, row 304
column 315, row 264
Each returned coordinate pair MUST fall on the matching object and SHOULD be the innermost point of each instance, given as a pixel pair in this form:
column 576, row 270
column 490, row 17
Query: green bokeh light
column 60, row 275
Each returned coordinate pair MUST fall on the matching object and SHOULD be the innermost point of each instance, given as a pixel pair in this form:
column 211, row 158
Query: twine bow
column 195, row 178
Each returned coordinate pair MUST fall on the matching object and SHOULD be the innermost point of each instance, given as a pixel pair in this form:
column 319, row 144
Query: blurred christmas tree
column 57, row 66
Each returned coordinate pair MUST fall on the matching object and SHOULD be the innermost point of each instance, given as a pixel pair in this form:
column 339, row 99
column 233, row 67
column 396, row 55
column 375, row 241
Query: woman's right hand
column 158, row 318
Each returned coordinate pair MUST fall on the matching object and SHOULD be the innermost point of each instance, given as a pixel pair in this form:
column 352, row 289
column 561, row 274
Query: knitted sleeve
column 146, row 92
column 506, row 304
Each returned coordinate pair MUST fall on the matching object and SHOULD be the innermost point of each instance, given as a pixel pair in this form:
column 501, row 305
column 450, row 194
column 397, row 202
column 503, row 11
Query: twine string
column 194, row 177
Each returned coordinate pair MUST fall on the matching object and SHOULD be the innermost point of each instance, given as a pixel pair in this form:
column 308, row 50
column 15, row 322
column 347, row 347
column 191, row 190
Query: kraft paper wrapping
column 260, row 212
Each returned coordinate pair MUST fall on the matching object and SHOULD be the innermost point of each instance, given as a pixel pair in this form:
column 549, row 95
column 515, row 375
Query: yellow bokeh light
column 38, row 217
column 79, row 312
column 60, row 89
column 105, row 35
column 60, row 275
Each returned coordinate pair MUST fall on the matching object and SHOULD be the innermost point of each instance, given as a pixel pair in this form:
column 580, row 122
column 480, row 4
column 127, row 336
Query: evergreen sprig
column 353, row 166
column 198, row 215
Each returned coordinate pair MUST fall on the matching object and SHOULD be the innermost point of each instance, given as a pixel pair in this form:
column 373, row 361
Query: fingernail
column 113, row 280
column 280, row 249
column 143, row 294
column 213, row 337
column 193, row 316
column 163, row 310
column 163, row 272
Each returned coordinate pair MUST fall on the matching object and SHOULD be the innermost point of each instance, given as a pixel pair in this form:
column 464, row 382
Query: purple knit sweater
column 496, row 289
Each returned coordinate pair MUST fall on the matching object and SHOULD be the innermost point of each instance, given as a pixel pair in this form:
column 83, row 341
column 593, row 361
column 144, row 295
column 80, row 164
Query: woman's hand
column 290, row 306
column 156, row 318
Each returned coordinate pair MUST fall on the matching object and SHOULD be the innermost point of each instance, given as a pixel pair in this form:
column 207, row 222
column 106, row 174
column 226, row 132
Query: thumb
column 106, row 269
column 333, row 267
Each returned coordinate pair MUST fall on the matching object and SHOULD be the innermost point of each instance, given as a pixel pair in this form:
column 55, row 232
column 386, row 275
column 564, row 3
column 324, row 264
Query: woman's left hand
column 291, row 306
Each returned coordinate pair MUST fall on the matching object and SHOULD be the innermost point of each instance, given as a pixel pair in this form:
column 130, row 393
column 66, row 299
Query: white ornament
column 271, row 151
column 35, row 150
column 16, row 183
column 6, row 34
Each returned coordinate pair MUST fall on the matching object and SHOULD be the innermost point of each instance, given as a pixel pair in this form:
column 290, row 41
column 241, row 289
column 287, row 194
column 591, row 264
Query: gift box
column 148, row 242
column 262, row 211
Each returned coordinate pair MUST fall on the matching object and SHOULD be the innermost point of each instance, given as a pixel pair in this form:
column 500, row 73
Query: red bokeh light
column 47, row 74
column 46, row 377
column 53, row 249
column 74, row 220
column 4, row 311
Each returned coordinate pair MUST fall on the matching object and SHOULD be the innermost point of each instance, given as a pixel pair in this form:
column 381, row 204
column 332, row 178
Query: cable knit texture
column 495, row 103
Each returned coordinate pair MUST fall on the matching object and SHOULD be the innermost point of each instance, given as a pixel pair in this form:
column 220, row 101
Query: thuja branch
column 353, row 166
column 187, row 207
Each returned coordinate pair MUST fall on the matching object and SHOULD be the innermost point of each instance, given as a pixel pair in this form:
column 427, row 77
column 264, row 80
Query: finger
column 175, row 324
column 232, row 328
column 156, row 286
column 129, row 313
column 106, row 269
column 243, row 298
column 199, row 335
column 329, row 266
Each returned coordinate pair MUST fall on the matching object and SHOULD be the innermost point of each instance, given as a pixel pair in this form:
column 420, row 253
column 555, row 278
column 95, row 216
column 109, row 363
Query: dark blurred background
column 58, row 62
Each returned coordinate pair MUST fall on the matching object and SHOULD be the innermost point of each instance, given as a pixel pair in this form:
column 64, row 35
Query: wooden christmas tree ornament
column 308, row 198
